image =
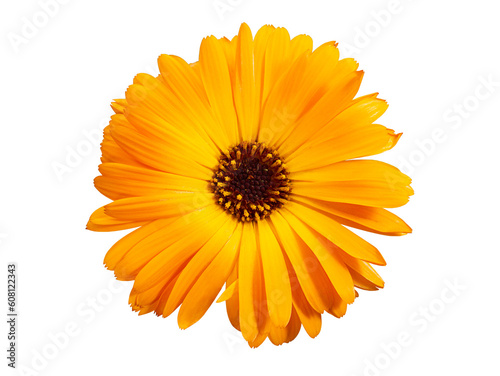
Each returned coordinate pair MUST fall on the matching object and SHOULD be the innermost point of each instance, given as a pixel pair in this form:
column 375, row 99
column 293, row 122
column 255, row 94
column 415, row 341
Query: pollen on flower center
column 251, row 181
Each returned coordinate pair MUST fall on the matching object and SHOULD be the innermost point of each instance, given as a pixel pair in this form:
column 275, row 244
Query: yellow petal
column 343, row 139
column 168, row 234
column 361, row 192
column 233, row 303
column 280, row 335
column 121, row 181
column 338, row 308
column 100, row 221
column 111, row 152
column 172, row 259
column 254, row 317
column 197, row 265
column 360, row 112
column 364, row 269
column 377, row 220
column 277, row 282
column 188, row 104
column 229, row 292
column 310, row 274
column 187, row 139
column 217, row 82
column 279, row 112
column 118, row 251
column 248, row 265
column 337, row 234
column 261, row 337
column 364, row 169
column 149, row 297
column 118, row 105
column 260, row 46
column 309, row 317
column 322, row 107
column 330, row 260
column 299, row 89
column 168, row 204
column 276, row 58
column 162, row 300
column 299, row 45
column 157, row 154
column 361, row 282
column 245, row 99
column 154, row 116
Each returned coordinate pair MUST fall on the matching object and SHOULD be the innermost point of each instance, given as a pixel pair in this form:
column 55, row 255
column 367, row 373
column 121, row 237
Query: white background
column 429, row 59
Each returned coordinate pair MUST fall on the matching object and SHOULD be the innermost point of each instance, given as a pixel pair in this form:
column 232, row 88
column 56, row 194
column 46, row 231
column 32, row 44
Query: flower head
column 242, row 169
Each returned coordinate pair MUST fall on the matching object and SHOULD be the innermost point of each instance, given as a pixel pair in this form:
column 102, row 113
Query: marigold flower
column 243, row 169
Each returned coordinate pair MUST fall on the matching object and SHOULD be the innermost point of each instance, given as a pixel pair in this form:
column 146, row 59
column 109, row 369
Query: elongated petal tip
column 91, row 226
column 244, row 28
column 183, row 323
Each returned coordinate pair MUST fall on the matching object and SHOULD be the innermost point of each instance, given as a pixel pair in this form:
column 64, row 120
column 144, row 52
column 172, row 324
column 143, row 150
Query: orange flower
column 241, row 169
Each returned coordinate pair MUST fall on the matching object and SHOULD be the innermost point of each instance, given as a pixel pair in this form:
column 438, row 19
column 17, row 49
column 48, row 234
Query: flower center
column 251, row 181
